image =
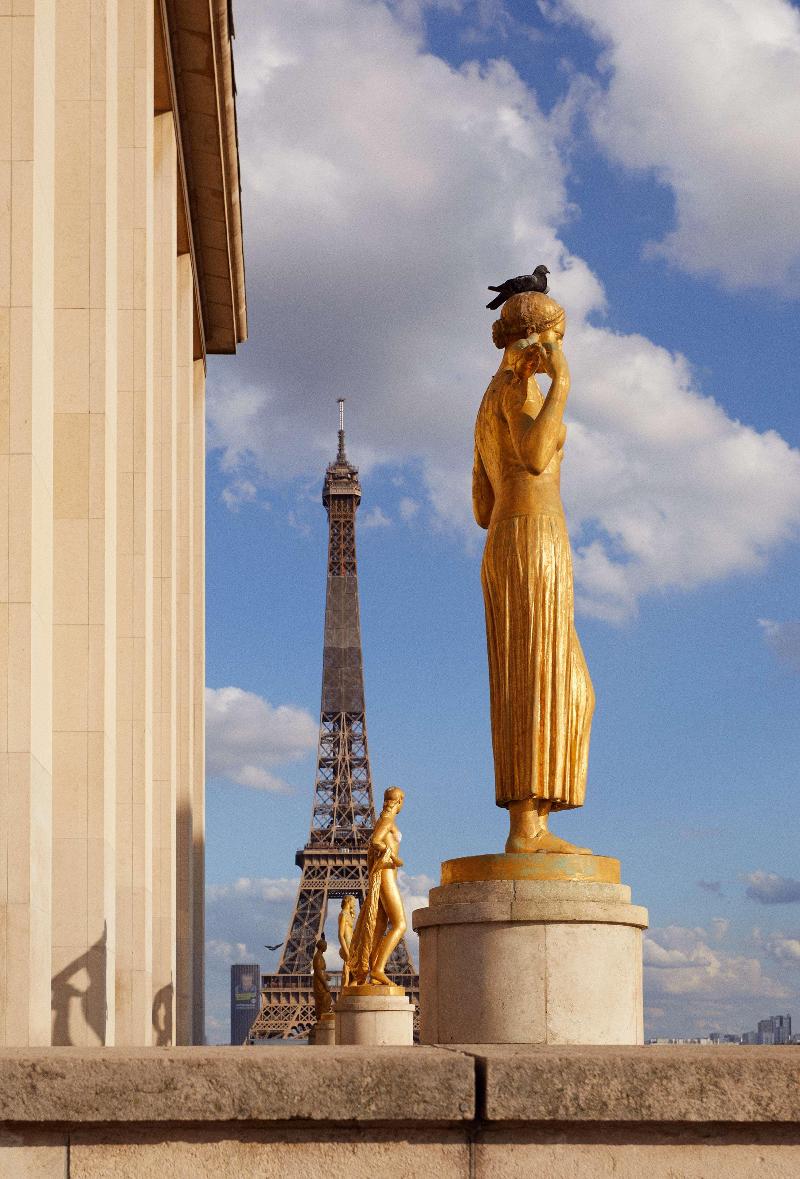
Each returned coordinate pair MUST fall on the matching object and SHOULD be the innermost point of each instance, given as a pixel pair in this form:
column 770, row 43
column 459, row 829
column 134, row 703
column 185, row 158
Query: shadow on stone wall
column 162, row 1015
column 91, row 998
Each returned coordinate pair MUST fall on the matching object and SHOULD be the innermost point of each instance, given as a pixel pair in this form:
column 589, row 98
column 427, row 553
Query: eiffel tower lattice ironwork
column 334, row 861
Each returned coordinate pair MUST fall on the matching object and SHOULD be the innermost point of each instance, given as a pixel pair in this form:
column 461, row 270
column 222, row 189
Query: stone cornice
column 202, row 93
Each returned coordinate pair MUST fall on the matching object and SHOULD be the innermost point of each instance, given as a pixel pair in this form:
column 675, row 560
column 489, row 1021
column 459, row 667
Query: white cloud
column 374, row 518
column 238, row 492
column 720, row 927
column 361, row 196
column 783, row 639
column 680, row 961
column 226, row 952
column 408, row 509
column 782, row 948
column 768, row 888
column 258, row 888
column 246, row 736
column 704, row 93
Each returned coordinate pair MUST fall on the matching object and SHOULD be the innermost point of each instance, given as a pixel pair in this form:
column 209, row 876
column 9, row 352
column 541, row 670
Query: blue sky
column 397, row 158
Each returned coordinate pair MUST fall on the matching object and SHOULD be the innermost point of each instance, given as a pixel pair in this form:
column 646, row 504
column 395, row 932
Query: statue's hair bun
column 524, row 314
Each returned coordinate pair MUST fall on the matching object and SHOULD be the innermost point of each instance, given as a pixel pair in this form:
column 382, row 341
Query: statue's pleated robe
column 541, row 694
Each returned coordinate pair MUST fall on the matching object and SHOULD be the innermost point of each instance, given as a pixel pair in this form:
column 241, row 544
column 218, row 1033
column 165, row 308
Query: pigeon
column 516, row 286
column 277, row 946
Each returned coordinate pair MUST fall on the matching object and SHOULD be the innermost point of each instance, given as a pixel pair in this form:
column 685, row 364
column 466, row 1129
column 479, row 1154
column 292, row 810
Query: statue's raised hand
column 554, row 362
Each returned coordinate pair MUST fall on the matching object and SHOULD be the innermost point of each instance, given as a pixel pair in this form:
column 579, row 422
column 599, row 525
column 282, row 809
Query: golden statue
column 347, row 919
column 382, row 920
column 323, row 1003
column 541, row 695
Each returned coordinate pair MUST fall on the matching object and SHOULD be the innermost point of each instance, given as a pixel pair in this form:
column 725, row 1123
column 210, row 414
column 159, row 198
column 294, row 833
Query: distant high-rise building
column 775, row 1030
column 245, row 995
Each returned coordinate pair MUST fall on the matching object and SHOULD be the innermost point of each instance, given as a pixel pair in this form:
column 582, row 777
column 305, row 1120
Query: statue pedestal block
column 323, row 1031
column 375, row 1018
column 530, row 960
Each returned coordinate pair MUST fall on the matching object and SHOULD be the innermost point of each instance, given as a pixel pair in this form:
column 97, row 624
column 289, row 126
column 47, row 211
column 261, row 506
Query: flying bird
column 277, row 946
column 516, row 286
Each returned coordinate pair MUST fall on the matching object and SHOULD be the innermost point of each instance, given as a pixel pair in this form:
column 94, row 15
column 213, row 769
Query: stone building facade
column 120, row 269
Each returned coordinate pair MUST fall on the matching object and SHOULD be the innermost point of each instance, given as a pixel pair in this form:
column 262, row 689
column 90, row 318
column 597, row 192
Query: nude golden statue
column 541, row 694
column 382, row 920
column 347, row 918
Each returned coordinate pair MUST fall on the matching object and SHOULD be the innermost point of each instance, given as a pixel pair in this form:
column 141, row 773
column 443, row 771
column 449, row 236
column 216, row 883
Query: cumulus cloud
column 782, row 948
column 783, row 639
column 257, row 888
column 238, row 492
column 680, row 961
column 713, row 886
column 226, row 952
column 768, row 888
column 374, row 518
column 368, row 165
column 408, row 508
column 703, row 94
column 246, row 736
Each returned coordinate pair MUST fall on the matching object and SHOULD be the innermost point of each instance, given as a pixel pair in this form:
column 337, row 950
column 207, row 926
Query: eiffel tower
column 334, row 860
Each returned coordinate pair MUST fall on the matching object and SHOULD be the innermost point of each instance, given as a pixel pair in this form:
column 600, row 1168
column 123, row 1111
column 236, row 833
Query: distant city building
column 775, row 1030
column 245, row 998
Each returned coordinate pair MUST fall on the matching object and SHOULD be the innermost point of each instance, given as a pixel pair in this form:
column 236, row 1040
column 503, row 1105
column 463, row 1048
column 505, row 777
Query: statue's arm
column 537, row 436
column 482, row 493
column 345, row 937
column 378, row 841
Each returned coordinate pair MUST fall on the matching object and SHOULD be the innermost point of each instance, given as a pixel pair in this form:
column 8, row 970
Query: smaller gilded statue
column 382, row 920
column 323, row 1002
column 347, row 919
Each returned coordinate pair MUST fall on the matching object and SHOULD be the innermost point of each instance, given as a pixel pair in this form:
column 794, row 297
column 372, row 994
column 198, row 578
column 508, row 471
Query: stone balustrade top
column 279, row 1085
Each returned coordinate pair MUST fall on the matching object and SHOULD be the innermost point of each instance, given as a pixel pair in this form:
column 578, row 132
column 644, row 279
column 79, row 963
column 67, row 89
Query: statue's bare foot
column 380, row 978
column 544, row 841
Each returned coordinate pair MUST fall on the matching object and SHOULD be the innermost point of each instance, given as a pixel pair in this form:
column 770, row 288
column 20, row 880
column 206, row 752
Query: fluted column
column 85, row 524
column 134, row 767
column 199, row 701
column 165, row 321
column 27, row 109
column 184, row 641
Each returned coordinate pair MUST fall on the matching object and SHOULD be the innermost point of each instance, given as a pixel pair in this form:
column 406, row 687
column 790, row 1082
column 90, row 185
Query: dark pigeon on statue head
column 517, row 286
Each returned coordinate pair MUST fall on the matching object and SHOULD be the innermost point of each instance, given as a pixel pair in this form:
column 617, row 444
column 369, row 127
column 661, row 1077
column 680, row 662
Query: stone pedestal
column 371, row 1015
column 530, row 960
column 323, row 1031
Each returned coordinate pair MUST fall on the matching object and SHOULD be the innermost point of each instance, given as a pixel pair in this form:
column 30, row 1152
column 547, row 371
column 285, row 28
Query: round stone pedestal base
column 530, row 962
column 323, row 1031
column 374, row 1019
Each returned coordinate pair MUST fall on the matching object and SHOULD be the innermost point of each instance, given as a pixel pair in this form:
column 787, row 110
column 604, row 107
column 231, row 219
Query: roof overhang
column 194, row 78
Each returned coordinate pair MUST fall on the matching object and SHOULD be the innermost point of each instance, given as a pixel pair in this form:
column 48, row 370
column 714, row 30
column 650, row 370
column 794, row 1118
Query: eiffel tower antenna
column 341, row 456
column 334, row 860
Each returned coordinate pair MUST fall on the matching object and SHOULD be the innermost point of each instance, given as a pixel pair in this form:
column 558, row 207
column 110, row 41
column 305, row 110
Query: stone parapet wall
column 349, row 1112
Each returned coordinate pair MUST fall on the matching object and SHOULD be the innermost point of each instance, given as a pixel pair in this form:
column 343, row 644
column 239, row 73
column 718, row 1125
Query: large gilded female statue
column 541, row 695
